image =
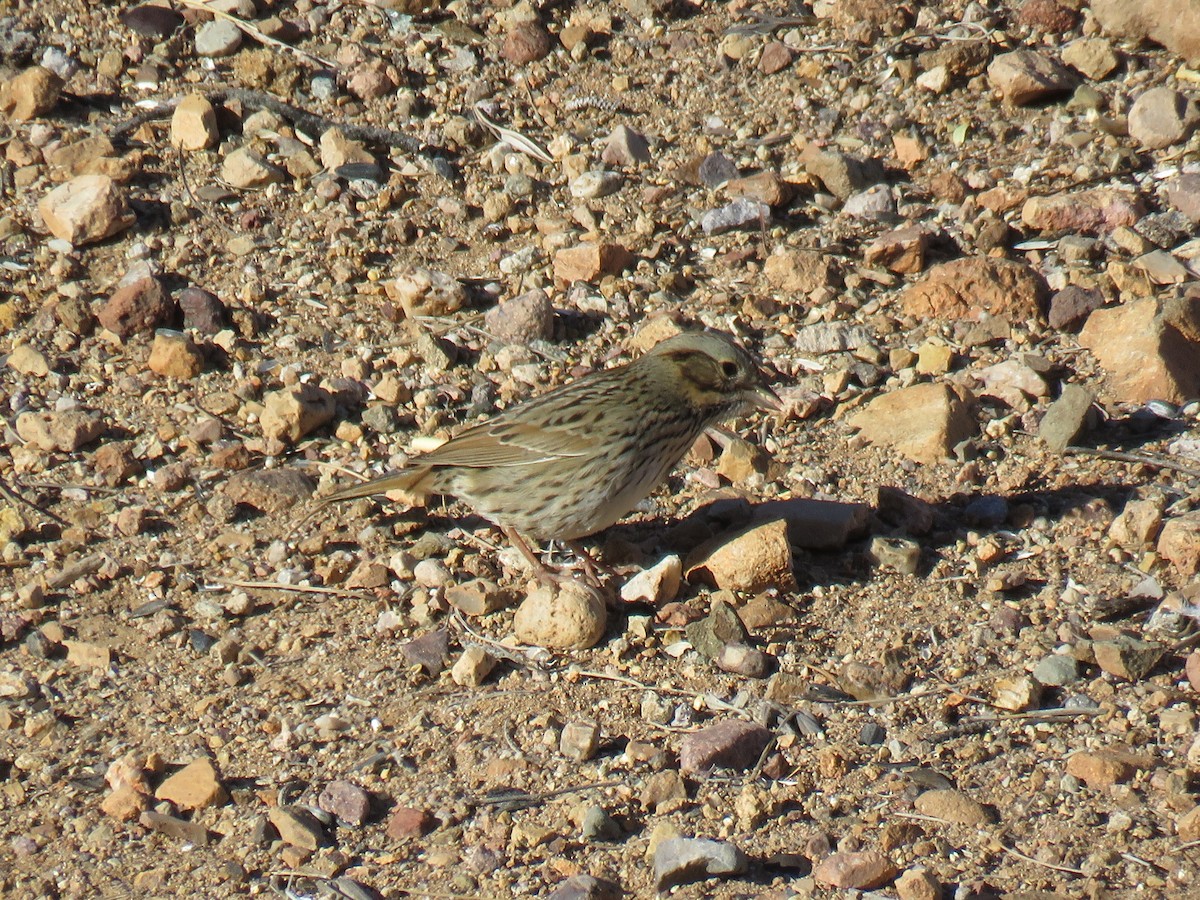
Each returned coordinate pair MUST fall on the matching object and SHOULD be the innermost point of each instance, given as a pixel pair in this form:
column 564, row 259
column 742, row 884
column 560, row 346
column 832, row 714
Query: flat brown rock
column 964, row 288
column 863, row 870
column 924, row 422
column 195, row 786
column 1144, row 351
column 1091, row 211
column 732, row 744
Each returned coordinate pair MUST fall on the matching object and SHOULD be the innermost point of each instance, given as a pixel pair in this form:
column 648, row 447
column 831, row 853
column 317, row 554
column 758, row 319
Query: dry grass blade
column 514, row 139
column 258, row 34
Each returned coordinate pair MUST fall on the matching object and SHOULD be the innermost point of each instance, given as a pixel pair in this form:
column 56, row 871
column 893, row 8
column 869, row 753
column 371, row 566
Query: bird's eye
column 729, row 369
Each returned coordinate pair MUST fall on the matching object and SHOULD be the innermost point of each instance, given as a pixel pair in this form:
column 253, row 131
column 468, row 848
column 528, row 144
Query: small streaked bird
column 573, row 461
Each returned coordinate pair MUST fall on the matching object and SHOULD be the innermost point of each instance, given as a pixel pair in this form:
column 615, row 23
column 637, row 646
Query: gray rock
column 587, row 887
column 875, row 202
column 720, row 627
column 1161, row 117
column 986, row 512
column 842, row 173
column 1067, row 417
column 1070, row 307
column 1183, row 193
column 598, row 825
column 521, row 320
column 1029, row 76
column 596, row 183
column 269, row 490
column 219, row 37
column 518, row 185
column 381, row 419
column 625, row 147
column 681, row 860
column 324, row 86
column 579, row 740
column 898, row 554
column 716, row 169
column 738, row 214
column 1056, row 670
column 831, row 337
column 430, row 651
column 740, row 659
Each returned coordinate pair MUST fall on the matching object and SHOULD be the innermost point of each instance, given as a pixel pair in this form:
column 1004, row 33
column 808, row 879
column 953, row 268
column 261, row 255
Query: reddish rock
column 371, row 80
column 138, row 306
column 347, row 801
column 1092, row 211
column 766, row 187
column 1179, row 543
column 918, row 884
column 1028, row 76
column 625, row 147
column 1047, row 15
column 864, row 870
column 1102, row 769
column 901, row 250
column 406, row 823
column 964, row 288
column 1192, row 668
column 1150, row 351
column 1070, row 307
column 732, row 744
column 776, row 57
column 526, row 43
column 528, row 317
column 115, row 462
column 1183, row 193
column 590, row 261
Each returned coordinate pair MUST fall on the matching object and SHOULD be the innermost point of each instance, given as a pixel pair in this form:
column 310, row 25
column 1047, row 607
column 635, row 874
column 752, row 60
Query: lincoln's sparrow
column 575, row 460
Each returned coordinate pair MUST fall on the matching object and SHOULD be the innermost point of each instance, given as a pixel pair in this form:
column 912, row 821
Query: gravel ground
column 958, row 235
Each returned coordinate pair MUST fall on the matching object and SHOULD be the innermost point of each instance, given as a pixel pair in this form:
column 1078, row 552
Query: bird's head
column 713, row 374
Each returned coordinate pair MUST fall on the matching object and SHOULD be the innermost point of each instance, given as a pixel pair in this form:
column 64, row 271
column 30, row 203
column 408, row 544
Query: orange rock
column 195, row 786
column 589, row 261
column 965, row 288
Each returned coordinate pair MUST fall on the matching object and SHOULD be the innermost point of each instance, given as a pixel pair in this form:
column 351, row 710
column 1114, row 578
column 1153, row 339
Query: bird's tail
column 417, row 482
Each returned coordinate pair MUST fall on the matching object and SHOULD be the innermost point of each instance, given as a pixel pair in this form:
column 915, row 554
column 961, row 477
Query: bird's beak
column 765, row 399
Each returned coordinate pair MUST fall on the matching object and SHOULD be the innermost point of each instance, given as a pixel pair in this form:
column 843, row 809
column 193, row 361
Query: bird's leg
column 592, row 567
column 544, row 575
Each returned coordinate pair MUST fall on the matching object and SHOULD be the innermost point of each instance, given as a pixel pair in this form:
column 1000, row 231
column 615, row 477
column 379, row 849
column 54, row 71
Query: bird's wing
column 562, row 424
column 508, row 444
